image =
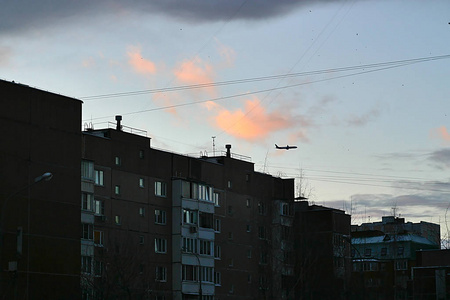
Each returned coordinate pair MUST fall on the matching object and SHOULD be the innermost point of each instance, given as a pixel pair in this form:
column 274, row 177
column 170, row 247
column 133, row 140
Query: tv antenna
column 214, row 145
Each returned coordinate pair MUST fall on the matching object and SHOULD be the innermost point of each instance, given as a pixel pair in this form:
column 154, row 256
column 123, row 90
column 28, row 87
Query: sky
column 360, row 86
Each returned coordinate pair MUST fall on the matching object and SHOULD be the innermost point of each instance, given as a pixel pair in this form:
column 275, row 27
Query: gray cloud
column 23, row 15
column 440, row 158
column 5, row 55
column 365, row 118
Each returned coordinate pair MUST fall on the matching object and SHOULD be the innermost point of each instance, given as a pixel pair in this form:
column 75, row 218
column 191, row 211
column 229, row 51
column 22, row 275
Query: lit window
column 98, row 238
column 160, row 188
column 99, row 177
column 160, row 245
column 118, row 220
column 118, row 161
column 189, row 216
column 117, row 189
column 229, row 184
column 249, row 203
column 160, row 216
column 141, row 182
column 161, row 273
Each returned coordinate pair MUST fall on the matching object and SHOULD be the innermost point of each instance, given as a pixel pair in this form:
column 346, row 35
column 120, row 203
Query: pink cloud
column 227, row 53
column 258, row 124
column 441, row 133
column 138, row 63
column 196, row 72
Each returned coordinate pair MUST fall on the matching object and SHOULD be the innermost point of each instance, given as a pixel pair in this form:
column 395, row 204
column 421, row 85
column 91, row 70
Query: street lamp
column 199, row 279
column 44, row 177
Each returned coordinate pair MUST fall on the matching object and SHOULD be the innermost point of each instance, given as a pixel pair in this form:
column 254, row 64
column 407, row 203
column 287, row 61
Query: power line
column 263, row 78
column 381, row 67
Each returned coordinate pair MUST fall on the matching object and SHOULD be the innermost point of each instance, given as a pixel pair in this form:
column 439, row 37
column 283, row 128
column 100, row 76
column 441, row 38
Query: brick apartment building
column 122, row 220
column 40, row 221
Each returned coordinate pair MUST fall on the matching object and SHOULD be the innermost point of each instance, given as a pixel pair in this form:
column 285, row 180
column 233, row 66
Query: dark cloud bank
column 23, row 15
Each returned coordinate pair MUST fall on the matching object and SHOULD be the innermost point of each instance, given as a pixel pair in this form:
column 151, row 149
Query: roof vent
column 119, row 119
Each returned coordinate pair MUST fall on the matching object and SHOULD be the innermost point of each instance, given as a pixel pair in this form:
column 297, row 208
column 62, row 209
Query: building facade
column 159, row 225
column 40, row 219
column 384, row 253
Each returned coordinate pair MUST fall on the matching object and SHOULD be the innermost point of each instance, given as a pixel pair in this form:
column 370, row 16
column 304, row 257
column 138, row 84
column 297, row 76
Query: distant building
column 431, row 275
column 322, row 249
column 384, row 254
column 40, row 222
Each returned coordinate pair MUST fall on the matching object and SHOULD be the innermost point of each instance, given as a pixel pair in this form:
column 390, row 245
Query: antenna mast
column 214, row 145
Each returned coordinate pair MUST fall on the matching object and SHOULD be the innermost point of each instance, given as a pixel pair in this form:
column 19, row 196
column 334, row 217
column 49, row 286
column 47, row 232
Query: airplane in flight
column 287, row 147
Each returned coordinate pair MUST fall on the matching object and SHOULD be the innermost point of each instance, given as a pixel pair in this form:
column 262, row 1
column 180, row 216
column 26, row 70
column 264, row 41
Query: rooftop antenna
column 214, row 145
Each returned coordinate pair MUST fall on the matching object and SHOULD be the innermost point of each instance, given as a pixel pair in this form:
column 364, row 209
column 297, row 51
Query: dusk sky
column 361, row 87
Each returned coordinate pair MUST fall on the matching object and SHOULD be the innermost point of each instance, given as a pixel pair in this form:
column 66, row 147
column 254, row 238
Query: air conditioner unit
column 193, row 229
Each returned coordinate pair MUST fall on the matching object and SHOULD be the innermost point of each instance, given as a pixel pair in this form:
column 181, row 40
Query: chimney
column 228, row 150
column 118, row 119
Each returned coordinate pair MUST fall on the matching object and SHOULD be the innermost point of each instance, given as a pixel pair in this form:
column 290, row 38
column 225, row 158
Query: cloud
column 255, row 126
column 5, row 55
column 227, row 53
column 363, row 119
column 441, row 158
column 138, row 63
column 25, row 15
column 441, row 133
column 194, row 72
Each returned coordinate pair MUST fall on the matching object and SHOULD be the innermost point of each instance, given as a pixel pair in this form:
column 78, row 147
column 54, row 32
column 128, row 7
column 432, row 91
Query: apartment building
column 322, row 249
column 159, row 225
column 384, row 253
column 40, row 218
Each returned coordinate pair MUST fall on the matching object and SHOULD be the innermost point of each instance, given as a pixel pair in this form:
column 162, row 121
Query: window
column 206, row 220
column 229, row 184
column 262, row 232
column 141, row 240
column 87, row 170
column 189, row 245
column 230, row 209
column 263, row 257
column 117, row 161
column 189, row 216
column 261, row 208
column 99, row 207
column 141, row 154
column 249, row 203
column 160, row 216
column 249, row 253
column 160, row 297
column 118, row 220
column 207, row 274
column 160, row 188
column 141, row 182
column 285, row 209
column 86, row 264
column 161, row 274
column 142, row 211
column 206, row 247
column 367, row 252
column 217, row 252
column 87, row 231
column 249, row 278
column 400, row 251
column 98, row 238
column 99, row 178
column 217, row 278
column 247, row 177
column 216, row 199
column 117, row 190
column 87, row 201
column 249, row 228
column 383, row 251
column 217, row 225
column 98, row 268
column 230, row 235
column 160, row 245
column 401, row 264
column 204, row 192
column 285, row 232
column 189, row 273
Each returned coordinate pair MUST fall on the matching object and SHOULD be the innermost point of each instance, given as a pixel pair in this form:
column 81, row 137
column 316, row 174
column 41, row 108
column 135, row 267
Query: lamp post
column 199, row 279
column 44, row 177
